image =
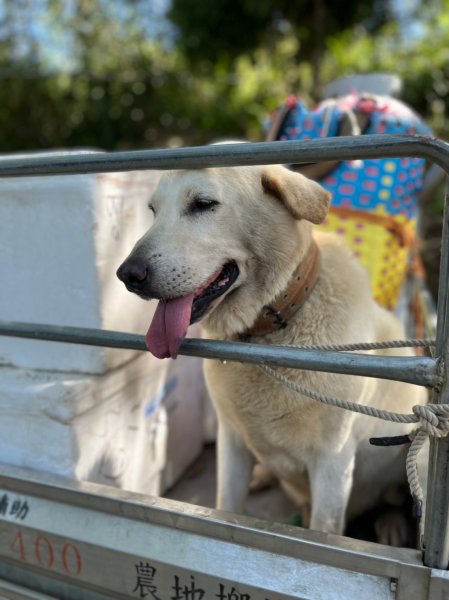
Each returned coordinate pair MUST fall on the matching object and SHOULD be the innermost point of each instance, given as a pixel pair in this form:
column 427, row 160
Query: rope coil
column 433, row 419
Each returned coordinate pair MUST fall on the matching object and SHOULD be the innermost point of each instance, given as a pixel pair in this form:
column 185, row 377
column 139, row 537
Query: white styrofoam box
column 136, row 427
column 186, row 424
column 61, row 241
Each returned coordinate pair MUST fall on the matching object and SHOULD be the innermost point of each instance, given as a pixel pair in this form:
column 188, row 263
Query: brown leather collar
column 275, row 316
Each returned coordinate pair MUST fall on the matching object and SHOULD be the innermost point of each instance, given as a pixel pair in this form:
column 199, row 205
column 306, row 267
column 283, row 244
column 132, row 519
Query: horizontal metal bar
column 303, row 151
column 417, row 370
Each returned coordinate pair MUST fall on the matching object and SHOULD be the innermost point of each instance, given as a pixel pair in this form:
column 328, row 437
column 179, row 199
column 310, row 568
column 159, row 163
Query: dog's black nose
column 134, row 274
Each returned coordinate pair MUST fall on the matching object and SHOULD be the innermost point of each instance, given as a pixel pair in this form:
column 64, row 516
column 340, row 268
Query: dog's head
column 223, row 243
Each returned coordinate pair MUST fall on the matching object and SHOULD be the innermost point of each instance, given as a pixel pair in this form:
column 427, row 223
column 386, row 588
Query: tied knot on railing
column 433, row 419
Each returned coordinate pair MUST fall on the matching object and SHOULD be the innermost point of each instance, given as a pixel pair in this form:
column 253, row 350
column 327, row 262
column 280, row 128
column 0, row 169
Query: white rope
column 413, row 343
column 411, row 467
column 433, row 419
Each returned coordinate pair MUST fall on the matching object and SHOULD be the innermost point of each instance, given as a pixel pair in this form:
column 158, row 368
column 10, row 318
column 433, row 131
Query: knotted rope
column 433, row 419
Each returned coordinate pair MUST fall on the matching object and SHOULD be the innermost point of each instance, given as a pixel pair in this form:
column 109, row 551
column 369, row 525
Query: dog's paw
column 392, row 528
column 261, row 479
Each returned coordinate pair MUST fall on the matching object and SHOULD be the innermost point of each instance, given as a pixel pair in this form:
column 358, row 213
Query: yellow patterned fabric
column 382, row 247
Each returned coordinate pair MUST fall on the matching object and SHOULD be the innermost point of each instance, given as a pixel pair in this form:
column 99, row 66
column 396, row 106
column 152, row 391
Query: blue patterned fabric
column 388, row 186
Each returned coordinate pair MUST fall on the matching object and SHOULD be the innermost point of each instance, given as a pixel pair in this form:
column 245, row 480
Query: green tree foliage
column 219, row 32
column 225, row 29
column 119, row 87
column 422, row 60
column 96, row 73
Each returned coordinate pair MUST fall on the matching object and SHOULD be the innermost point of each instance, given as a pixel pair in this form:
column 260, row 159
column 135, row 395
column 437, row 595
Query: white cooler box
column 61, row 241
column 137, row 427
column 105, row 415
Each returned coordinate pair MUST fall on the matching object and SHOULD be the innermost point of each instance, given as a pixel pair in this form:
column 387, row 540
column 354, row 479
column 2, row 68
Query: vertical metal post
column 436, row 533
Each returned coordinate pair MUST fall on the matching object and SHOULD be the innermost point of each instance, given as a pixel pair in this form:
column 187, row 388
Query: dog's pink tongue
column 169, row 326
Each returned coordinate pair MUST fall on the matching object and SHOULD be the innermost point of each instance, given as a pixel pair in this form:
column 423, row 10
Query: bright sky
column 31, row 25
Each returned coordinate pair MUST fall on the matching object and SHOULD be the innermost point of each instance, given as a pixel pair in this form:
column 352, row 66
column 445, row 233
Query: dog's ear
column 304, row 198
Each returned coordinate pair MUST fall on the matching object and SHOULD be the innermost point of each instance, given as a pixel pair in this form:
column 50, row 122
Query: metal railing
column 424, row 371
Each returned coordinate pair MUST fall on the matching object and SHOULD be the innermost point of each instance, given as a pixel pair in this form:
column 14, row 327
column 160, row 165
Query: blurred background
column 118, row 74
column 122, row 74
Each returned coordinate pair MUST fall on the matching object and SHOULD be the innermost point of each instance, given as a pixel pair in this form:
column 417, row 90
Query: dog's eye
column 199, row 205
column 151, row 207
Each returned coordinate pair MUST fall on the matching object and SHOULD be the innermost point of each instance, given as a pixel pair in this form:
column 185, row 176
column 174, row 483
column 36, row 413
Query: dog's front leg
column 234, row 467
column 331, row 478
